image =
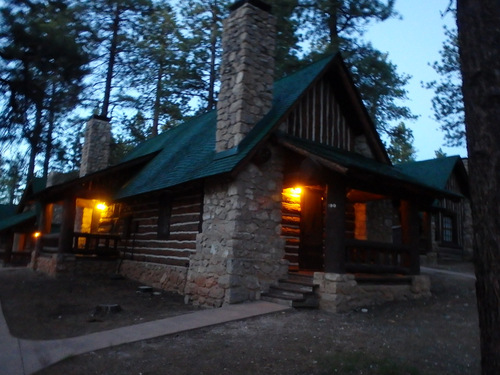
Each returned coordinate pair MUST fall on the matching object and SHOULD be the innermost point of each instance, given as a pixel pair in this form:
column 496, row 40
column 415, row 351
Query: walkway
column 24, row 357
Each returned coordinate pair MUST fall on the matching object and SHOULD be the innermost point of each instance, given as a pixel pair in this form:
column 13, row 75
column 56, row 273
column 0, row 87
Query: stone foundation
column 160, row 276
column 57, row 264
column 341, row 292
column 53, row 264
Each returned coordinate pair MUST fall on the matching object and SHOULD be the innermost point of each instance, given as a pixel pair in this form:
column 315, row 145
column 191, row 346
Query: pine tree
column 42, row 66
column 401, row 148
column 447, row 102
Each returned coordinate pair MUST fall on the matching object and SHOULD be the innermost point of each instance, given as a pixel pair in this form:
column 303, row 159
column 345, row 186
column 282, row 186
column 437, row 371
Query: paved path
column 466, row 275
column 23, row 357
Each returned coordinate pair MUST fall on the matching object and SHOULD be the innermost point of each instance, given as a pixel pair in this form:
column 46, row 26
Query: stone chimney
column 96, row 146
column 247, row 71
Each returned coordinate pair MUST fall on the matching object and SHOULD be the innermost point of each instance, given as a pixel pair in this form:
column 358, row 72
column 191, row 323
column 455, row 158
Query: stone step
column 295, row 287
column 299, row 279
column 296, row 291
column 268, row 298
column 279, row 290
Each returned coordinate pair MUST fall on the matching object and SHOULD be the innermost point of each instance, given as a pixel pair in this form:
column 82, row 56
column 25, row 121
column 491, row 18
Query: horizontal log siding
column 318, row 117
column 290, row 230
column 144, row 245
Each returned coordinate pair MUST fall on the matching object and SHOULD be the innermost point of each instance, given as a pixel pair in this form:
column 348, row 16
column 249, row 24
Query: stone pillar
column 335, row 227
column 96, row 146
column 240, row 250
column 247, row 71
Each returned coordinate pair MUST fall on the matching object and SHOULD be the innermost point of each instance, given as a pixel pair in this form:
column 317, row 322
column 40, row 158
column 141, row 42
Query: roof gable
column 438, row 172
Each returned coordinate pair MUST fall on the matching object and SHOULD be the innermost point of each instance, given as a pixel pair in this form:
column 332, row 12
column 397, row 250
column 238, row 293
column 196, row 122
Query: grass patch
column 357, row 363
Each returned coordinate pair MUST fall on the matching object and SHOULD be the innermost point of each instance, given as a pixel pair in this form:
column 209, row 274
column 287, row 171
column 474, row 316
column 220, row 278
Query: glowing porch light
column 37, row 234
column 101, row 206
column 293, row 192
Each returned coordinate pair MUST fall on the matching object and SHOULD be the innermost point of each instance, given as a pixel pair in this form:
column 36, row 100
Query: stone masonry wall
column 96, row 147
column 341, row 292
column 247, row 73
column 160, row 276
column 240, row 250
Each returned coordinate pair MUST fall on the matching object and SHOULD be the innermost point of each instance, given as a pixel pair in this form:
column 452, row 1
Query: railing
column 95, row 244
column 378, row 257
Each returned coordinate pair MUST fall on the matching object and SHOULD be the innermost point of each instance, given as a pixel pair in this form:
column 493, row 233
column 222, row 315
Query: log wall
column 318, row 117
column 144, row 244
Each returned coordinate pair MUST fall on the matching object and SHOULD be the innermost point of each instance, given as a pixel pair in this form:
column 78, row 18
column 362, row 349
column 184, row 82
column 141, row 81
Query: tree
column 155, row 71
column 113, row 22
column 11, row 177
column 42, row 64
column 202, row 29
column 448, row 101
column 478, row 36
column 400, row 148
column 440, row 154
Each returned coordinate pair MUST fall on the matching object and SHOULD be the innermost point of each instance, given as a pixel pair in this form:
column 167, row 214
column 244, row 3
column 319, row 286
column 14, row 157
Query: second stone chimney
column 247, row 71
column 96, row 145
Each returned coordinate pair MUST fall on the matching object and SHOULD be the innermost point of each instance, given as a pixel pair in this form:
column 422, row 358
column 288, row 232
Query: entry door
column 311, row 230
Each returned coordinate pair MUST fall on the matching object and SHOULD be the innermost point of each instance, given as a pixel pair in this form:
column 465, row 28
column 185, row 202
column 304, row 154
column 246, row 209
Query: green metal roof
column 187, row 152
column 15, row 220
column 434, row 172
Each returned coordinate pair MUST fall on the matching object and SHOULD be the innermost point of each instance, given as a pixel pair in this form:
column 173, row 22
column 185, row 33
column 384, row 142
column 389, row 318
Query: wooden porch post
column 67, row 225
column 410, row 233
column 8, row 247
column 335, row 226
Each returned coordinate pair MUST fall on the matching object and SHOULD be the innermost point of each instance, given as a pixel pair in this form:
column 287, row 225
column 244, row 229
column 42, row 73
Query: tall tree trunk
column 156, row 109
column 333, row 25
column 113, row 50
column 479, row 35
column 50, row 130
column 35, row 143
column 213, row 56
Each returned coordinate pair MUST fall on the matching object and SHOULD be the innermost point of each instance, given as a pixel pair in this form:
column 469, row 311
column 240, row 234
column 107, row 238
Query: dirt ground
column 438, row 335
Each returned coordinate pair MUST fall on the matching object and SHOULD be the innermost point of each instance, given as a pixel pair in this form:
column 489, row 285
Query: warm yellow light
column 101, row 206
column 293, row 192
column 37, row 234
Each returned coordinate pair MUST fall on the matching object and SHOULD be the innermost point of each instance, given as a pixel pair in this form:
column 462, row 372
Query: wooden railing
column 379, row 257
column 95, row 244
column 84, row 244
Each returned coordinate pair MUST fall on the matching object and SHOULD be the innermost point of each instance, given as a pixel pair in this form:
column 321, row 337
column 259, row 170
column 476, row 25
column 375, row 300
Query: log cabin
column 447, row 227
column 284, row 192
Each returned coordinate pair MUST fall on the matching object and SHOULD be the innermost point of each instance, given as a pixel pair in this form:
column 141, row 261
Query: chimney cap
column 257, row 3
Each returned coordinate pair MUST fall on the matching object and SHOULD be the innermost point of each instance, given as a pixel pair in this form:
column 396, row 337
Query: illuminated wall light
column 101, row 206
column 37, row 234
column 293, row 192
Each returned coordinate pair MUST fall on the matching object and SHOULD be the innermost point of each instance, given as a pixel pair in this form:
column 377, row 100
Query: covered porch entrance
column 333, row 228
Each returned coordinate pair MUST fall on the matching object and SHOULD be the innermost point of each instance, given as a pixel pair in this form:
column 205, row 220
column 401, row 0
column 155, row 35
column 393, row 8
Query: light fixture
column 37, row 234
column 101, row 206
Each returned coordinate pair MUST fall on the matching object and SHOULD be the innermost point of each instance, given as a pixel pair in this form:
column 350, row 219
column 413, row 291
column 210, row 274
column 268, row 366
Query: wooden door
column 311, row 230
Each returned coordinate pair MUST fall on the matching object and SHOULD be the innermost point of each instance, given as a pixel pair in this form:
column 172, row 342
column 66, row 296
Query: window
column 447, row 229
column 164, row 214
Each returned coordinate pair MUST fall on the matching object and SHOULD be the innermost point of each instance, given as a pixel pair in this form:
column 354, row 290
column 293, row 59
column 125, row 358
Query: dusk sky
column 412, row 43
